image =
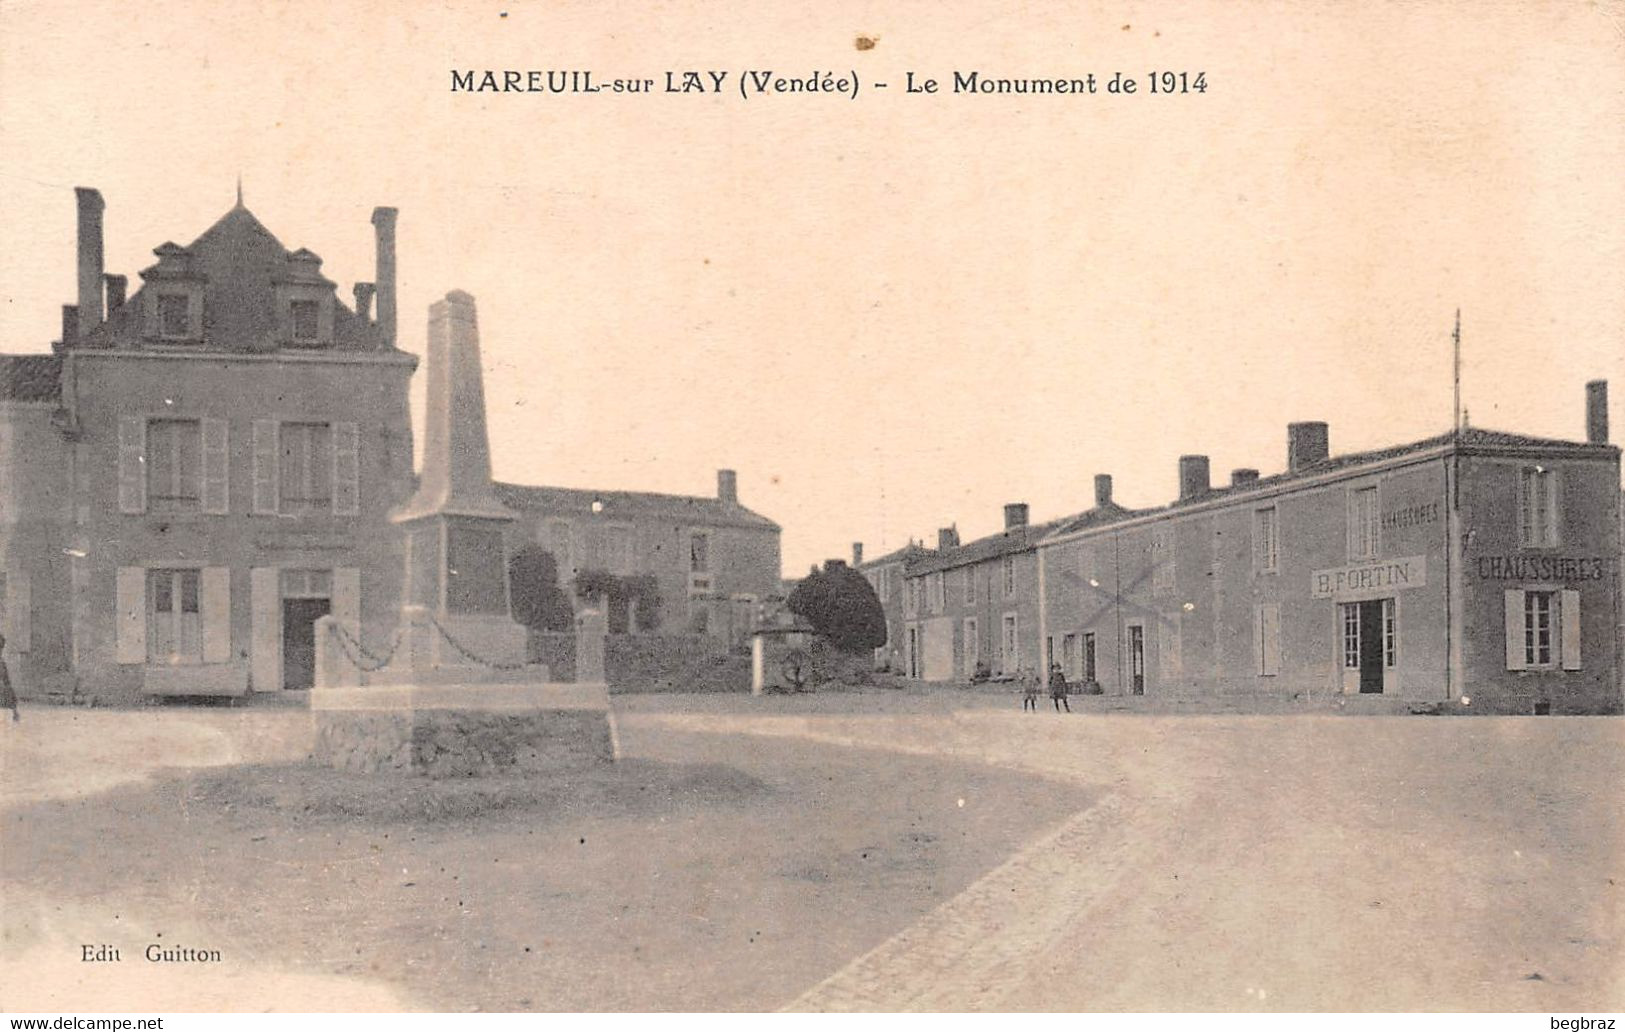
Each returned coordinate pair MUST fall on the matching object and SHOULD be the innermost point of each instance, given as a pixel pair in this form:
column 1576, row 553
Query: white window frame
column 1009, row 576
column 971, row 644
column 1267, row 539
column 1538, row 507
column 701, row 575
column 1364, row 522
column 969, row 587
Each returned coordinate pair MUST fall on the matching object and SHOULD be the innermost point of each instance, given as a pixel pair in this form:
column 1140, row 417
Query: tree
column 538, row 601
column 644, row 589
column 842, row 606
column 618, row 594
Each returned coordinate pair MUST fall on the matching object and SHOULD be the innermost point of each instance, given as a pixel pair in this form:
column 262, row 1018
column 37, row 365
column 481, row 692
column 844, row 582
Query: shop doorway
column 1369, row 645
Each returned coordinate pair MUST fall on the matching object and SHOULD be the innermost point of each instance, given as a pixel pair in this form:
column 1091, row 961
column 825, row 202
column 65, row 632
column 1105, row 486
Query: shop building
column 1476, row 569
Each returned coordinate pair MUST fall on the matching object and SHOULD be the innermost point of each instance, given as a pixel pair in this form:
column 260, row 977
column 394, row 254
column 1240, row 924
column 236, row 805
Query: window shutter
column 265, row 466
column 132, row 464
column 1514, row 630
column 19, row 622
column 346, row 470
column 216, row 467
column 216, row 614
column 1570, row 620
column 347, row 598
column 1552, row 531
column 131, row 615
column 265, row 619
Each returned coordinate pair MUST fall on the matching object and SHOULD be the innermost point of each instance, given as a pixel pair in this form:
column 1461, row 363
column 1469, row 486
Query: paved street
column 1298, row 863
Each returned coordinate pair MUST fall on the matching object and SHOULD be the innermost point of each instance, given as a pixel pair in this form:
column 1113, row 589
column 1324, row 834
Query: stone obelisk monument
column 456, row 697
column 456, row 562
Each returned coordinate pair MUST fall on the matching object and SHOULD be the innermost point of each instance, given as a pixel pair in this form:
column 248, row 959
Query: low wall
column 555, row 651
column 636, row 663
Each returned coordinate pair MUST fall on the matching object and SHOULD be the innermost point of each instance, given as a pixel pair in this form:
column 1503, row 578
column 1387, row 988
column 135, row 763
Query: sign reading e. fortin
column 1362, row 578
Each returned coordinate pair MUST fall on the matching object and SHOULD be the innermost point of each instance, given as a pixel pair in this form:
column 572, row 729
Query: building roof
column 30, row 378
column 908, row 553
column 1006, row 542
column 1471, row 439
column 570, row 501
column 239, row 262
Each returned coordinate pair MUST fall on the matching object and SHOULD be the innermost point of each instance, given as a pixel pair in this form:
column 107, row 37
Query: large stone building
column 714, row 561
column 885, row 575
column 202, row 468
column 975, row 605
column 1476, row 569
column 1479, row 570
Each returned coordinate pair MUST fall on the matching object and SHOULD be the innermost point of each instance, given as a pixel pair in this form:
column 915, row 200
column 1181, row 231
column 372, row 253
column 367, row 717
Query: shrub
column 538, row 601
column 841, row 605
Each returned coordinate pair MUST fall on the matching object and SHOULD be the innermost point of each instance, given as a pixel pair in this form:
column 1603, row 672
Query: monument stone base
column 467, row 730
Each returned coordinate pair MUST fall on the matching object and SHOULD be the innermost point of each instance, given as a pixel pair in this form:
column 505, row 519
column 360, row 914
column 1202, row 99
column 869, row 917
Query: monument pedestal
column 457, row 698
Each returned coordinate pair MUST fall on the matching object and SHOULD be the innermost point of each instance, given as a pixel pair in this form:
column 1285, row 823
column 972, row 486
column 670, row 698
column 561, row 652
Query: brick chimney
column 857, row 554
column 1103, row 490
column 1193, row 477
column 1306, row 444
column 91, row 206
column 363, row 301
column 70, row 324
column 116, row 288
column 383, row 221
column 727, row 485
column 1015, row 515
column 947, row 537
column 1243, row 477
column 1597, row 412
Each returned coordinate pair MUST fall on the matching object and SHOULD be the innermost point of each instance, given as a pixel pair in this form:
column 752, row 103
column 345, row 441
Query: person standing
column 8, row 697
column 1029, row 690
column 1057, row 688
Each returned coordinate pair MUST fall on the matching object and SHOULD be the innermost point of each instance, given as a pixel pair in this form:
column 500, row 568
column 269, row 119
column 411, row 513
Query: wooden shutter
column 131, row 614
column 1267, row 639
column 216, row 614
column 1570, row 621
column 265, row 467
column 216, row 467
column 18, row 623
column 265, row 619
column 347, row 597
column 346, row 470
column 132, row 464
column 1514, row 630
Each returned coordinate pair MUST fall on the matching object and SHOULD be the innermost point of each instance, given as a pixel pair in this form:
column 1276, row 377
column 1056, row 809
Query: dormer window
column 174, row 316
column 305, row 318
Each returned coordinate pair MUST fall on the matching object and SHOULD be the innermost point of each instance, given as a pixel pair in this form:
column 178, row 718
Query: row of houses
column 1476, row 568
column 197, row 471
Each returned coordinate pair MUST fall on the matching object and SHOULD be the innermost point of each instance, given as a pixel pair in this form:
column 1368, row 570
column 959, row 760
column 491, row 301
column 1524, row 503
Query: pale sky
column 896, row 312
